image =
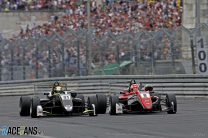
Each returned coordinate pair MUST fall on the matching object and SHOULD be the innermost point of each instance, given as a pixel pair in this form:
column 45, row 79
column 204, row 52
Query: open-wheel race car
column 60, row 102
column 137, row 101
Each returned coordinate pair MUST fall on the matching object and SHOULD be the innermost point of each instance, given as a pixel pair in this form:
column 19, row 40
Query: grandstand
column 106, row 15
column 134, row 14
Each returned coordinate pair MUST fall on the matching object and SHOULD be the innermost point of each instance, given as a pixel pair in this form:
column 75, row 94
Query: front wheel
column 112, row 104
column 24, row 105
column 171, row 103
column 34, row 103
column 92, row 100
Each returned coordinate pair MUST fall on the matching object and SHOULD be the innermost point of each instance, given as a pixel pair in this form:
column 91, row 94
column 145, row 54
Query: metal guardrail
column 177, row 84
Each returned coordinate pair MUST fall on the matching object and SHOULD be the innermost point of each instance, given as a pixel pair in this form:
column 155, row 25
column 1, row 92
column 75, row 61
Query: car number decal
column 145, row 95
column 65, row 97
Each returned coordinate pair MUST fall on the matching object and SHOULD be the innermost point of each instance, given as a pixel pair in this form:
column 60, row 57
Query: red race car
column 136, row 101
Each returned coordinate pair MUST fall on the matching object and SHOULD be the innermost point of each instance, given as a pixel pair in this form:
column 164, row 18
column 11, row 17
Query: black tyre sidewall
column 102, row 103
column 24, row 105
column 92, row 100
column 34, row 103
column 113, row 100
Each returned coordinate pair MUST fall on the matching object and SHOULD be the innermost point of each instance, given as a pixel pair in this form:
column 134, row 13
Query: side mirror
column 46, row 93
column 73, row 94
column 140, row 86
column 122, row 92
column 140, row 83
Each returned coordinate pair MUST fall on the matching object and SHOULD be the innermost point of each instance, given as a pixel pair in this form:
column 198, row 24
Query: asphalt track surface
column 191, row 121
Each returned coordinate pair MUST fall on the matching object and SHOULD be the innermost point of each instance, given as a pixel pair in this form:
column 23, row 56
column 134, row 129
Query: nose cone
column 147, row 103
column 68, row 108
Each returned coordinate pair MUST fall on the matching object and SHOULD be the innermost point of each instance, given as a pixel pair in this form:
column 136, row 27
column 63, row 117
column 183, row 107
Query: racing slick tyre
column 171, row 103
column 92, row 100
column 34, row 103
column 112, row 104
column 102, row 104
column 82, row 104
column 24, row 105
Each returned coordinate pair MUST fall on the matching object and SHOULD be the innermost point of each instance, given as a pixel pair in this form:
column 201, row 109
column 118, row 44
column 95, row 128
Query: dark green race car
column 60, row 102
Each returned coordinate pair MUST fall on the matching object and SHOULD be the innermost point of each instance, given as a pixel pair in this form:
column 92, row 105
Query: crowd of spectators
column 116, row 16
column 33, row 5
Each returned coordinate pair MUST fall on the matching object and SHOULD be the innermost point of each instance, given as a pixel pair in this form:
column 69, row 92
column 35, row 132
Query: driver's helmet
column 56, row 84
column 148, row 87
column 134, row 87
column 132, row 82
column 57, row 87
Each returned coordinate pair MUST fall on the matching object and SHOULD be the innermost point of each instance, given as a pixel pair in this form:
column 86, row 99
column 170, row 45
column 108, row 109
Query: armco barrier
column 178, row 84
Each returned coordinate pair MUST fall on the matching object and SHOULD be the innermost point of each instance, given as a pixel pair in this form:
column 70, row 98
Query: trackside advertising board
column 202, row 56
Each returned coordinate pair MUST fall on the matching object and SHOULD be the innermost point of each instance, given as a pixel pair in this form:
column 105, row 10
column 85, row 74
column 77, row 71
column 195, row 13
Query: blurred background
column 64, row 38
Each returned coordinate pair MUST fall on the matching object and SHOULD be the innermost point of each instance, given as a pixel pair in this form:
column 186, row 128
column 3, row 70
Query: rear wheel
column 34, row 103
column 171, row 103
column 92, row 100
column 24, row 105
column 102, row 104
column 112, row 104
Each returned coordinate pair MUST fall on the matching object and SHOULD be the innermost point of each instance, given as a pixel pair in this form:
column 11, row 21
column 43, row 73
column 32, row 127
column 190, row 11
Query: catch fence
column 166, row 51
